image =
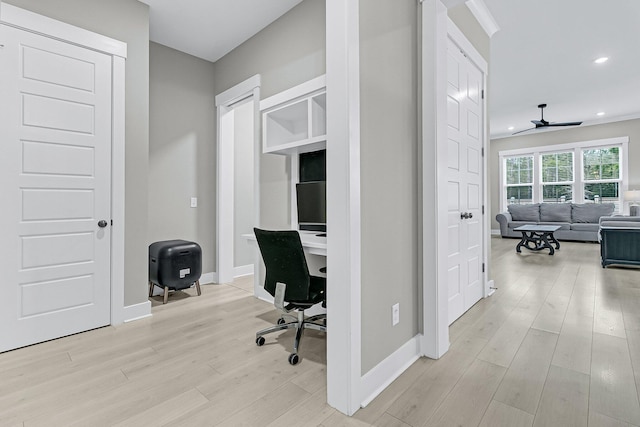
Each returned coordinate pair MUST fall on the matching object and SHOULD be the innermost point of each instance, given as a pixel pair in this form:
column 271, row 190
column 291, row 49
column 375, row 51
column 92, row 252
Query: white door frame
column 35, row 23
column 225, row 172
column 436, row 28
column 344, row 380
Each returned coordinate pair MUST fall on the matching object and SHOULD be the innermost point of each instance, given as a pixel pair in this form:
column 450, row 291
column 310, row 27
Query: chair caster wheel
column 280, row 321
column 293, row 359
column 260, row 341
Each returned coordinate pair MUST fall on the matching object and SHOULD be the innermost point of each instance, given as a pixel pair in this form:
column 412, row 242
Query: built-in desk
column 311, row 243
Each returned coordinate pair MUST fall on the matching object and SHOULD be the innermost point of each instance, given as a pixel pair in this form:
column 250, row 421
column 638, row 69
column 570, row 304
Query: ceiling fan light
column 510, row 128
column 601, row 60
column 601, row 113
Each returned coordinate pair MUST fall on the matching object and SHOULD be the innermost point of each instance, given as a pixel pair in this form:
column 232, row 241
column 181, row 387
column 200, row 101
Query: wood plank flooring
column 558, row 344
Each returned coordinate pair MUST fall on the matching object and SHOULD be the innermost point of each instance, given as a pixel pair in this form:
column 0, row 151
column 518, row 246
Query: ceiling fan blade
column 520, row 131
column 565, row 124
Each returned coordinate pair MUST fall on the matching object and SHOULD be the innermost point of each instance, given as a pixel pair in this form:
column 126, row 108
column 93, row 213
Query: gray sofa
column 577, row 221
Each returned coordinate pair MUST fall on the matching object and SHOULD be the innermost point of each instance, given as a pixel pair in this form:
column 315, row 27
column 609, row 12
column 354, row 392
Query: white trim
column 51, row 28
column 39, row 24
column 495, row 232
column 435, row 324
column 289, row 95
column 564, row 147
column 481, row 12
column 457, row 36
column 238, row 92
column 136, row 311
column 344, row 342
column 225, row 170
column 243, row 270
column 208, row 278
column 387, row 371
column 118, row 159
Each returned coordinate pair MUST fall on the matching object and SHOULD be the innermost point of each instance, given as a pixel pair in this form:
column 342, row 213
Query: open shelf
column 294, row 121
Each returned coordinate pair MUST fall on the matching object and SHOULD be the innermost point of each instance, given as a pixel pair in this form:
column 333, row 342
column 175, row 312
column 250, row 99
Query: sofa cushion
column 525, row 212
column 563, row 225
column 560, row 212
column 581, row 226
column 590, row 212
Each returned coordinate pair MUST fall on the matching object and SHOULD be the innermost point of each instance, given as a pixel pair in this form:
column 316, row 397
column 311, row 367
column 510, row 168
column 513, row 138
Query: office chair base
column 300, row 324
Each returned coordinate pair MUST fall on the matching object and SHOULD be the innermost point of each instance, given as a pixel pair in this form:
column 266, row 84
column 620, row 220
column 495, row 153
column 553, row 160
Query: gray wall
column 288, row 52
column 630, row 128
column 389, row 175
column 182, row 150
column 128, row 21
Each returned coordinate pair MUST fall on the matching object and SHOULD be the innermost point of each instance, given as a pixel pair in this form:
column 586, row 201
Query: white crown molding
column 483, row 15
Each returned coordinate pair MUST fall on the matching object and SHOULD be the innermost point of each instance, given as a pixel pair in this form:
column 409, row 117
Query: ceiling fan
column 542, row 123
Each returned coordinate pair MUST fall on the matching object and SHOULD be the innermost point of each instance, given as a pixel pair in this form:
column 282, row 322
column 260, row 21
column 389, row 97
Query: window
column 583, row 172
column 519, row 180
column 602, row 179
column 557, row 177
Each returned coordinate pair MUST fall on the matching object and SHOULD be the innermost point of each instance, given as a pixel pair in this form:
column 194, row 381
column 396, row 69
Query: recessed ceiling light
column 601, row 60
column 510, row 128
column 601, row 113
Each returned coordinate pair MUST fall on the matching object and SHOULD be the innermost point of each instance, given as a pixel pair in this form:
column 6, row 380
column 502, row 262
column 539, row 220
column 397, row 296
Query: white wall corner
column 136, row 311
column 387, row 371
column 208, row 278
column 479, row 9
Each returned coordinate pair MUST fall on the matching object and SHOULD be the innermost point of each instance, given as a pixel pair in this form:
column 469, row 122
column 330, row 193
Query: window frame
column 577, row 149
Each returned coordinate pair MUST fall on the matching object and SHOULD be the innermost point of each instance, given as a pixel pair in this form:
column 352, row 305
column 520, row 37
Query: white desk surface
column 310, row 241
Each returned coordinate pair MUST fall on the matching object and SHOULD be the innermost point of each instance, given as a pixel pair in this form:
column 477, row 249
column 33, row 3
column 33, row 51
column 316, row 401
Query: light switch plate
column 194, row 202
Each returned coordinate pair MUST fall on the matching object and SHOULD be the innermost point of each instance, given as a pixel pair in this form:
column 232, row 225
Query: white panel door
column 55, row 166
column 464, row 176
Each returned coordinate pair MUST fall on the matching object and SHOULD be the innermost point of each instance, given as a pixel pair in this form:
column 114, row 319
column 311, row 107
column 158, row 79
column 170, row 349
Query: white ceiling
column 209, row 29
column 543, row 52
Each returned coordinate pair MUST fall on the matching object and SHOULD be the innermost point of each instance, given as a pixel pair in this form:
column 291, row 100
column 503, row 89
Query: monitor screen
column 312, row 203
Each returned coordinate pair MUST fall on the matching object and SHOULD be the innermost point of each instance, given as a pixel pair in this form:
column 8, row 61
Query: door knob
column 102, row 223
column 469, row 215
column 464, row 215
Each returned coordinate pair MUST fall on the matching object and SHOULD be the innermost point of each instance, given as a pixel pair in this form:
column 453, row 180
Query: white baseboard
column 385, row 372
column 208, row 278
column 243, row 270
column 495, row 232
column 136, row 311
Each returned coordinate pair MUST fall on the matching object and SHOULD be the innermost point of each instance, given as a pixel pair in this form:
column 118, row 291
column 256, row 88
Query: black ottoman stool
column 174, row 265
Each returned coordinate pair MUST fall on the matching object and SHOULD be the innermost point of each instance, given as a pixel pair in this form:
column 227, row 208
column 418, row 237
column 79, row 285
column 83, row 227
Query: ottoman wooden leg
column 150, row 289
column 166, row 294
column 198, row 287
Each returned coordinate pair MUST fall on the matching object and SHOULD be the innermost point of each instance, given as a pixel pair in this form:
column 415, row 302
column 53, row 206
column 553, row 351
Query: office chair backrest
column 284, row 259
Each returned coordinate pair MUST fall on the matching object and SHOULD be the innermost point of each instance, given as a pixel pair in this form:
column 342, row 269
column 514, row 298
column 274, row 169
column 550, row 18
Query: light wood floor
column 558, row 344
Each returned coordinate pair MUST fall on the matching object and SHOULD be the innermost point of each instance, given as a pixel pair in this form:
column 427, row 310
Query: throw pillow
column 525, row 212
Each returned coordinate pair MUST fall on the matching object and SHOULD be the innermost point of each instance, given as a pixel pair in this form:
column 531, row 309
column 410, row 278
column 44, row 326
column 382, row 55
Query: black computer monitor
column 312, row 205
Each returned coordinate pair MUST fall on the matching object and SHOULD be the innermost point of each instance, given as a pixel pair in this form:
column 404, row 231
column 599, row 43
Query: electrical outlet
column 194, row 202
column 395, row 314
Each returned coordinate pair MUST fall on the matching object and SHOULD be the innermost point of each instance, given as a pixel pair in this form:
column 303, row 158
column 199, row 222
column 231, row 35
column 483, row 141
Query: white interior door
column 55, row 165
column 465, row 134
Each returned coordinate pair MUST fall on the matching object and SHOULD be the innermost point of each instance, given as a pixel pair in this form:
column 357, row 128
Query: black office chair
column 289, row 282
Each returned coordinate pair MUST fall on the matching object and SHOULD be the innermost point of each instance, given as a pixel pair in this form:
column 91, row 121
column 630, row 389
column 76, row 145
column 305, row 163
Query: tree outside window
column 519, row 180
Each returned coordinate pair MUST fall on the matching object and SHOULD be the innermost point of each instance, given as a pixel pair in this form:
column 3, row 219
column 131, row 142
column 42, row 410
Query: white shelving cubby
column 294, row 121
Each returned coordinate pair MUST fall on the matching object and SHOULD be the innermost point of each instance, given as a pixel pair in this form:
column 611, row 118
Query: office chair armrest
column 279, row 297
